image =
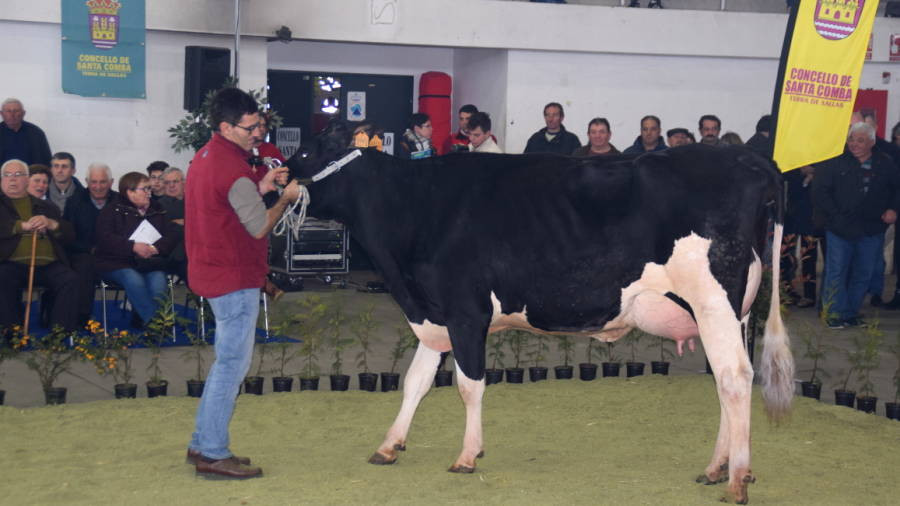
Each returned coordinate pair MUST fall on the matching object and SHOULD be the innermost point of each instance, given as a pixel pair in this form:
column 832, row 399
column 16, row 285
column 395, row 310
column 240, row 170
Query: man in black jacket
column 554, row 138
column 20, row 139
column 857, row 194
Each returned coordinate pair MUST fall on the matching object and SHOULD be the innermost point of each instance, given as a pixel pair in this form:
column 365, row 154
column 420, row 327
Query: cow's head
column 313, row 156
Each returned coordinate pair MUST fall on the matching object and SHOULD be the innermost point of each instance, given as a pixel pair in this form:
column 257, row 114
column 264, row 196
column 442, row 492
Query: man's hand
column 889, row 216
column 144, row 250
column 267, row 183
column 291, row 192
column 40, row 223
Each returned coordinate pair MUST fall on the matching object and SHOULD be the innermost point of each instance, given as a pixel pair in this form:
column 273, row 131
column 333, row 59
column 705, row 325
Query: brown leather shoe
column 226, row 469
column 194, row 455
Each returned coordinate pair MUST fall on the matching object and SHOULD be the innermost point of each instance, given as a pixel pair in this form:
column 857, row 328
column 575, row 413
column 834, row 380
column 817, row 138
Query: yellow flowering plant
column 51, row 355
column 115, row 352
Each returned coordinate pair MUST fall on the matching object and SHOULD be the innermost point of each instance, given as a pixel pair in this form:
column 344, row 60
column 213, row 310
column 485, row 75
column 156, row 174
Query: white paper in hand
column 145, row 233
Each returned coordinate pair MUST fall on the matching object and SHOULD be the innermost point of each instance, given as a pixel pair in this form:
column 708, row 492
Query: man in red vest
column 226, row 230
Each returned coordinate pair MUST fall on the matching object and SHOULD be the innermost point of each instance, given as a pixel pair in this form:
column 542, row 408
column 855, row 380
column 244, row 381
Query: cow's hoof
column 400, row 447
column 381, row 460
column 461, row 469
column 706, row 480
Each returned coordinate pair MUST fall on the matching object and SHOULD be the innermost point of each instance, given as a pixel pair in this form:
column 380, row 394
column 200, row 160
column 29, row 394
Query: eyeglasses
column 145, row 189
column 250, row 128
column 15, row 174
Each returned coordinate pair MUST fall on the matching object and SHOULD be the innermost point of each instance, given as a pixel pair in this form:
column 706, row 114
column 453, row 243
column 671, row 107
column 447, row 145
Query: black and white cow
column 470, row 244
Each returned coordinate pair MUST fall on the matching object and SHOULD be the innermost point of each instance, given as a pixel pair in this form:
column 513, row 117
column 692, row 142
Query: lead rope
column 291, row 220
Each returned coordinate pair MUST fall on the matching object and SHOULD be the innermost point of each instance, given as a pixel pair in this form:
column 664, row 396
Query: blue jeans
column 849, row 265
column 142, row 288
column 235, row 314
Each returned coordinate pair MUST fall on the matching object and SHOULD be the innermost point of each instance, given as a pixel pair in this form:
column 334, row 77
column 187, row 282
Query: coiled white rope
column 291, row 220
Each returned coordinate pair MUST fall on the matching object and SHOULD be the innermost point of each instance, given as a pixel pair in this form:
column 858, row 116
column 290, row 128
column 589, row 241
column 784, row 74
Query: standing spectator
column 82, row 212
column 21, row 216
column 38, row 180
column 265, row 153
column 731, row 139
column 599, row 134
column 895, row 134
column 709, row 127
column 415, row 142
column 460, row 140
column 650, row 138
column 857, row 194
column 137, row 264
column 480, row 138
column 761, row 141
column 554, row 138
column 155, row 171
column 799, row 228
column 63, row 186
column 678, row 137
column 20, row 139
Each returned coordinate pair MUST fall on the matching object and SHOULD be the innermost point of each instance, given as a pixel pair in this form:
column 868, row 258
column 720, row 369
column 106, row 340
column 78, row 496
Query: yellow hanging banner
column 818, row 77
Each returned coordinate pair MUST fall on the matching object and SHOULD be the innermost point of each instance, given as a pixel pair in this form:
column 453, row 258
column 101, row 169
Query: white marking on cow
column 434, row 336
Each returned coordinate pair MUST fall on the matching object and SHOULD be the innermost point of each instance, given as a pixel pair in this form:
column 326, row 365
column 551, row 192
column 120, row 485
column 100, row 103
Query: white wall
column 127, row 134
column 480, row 78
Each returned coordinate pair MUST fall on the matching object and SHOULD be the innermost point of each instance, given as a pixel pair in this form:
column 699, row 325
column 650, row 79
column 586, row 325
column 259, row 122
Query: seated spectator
column 731, row 139
column 678, row 137
column 19, row 139
column 155, row 171
column 599, row 134
column 709, row 128
column 38, row 180
column 460, row 140
column 554, row 138
column 82, row 212
column 63, row 185
column 173, row 203
column 650, row 138
column 415, row 143
column 480, row 138
column 137, row 264
column 22, row 216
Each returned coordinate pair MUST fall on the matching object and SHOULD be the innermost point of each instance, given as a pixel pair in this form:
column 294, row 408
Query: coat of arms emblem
column 836, row 19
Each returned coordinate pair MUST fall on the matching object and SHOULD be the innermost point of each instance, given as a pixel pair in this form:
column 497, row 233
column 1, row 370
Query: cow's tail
column 777, row 366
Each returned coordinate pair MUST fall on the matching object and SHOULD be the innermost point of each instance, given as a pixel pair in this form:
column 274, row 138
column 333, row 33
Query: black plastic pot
column 633, row 369
column 492, row 376
column 2, row 396
column 844, row 398
column 282, row 383
column 160, row 389
column 125, row 390
column 309, row 383
column 55, row 395
column 537, row 373
column 339, row 382
column 368, row 381
column 587, row 372
column 866, row 404
column 390, row 381
column 657, row 367
column 443, row 378
column 563, row 372
column 891, row 409
column 254, row 385
column 195, row 388
column 611, row 369
column 811, row 390
column 515, row 374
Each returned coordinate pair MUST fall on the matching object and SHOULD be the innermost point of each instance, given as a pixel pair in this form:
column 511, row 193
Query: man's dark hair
column 230, row 105
column 480, row 119
column 895, row 132
column 562, row 112
column 599, row 121
column 418, row 119
column 468, row 109
column 64, row 155
column 131, row 181
column 676, row 131
column 764, row 124
column 654, row 118
column 157, row 166
column 709, row 117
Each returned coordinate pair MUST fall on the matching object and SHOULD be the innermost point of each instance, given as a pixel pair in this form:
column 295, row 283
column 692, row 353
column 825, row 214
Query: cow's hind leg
column 417, row 383
column 472, row 393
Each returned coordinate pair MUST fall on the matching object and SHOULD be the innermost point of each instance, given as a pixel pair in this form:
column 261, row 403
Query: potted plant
column 566, row 345
column 816, row 350
column 843, row 396
column 661, row 366
column 613, row 363
column 587, row 370
column 283, row 351
column 51, row 356
column 254, row 384
column 115, row 356
column 494, row 374
column 334, row 327
column 156, row 331
column 892, row 409
column 444, row 377
column 865, row 359
column 310, row 323
column 518, row 340
column 536, row 352
column 199, row 345
column 633, row 367
column 390, row 381
column 363, row 328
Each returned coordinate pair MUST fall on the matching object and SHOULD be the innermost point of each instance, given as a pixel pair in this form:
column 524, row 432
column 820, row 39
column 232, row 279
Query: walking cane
column 34, row 237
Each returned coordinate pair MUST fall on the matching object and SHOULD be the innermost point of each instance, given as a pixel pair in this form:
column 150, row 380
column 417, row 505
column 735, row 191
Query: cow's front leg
column 417, row 383
column 472, row 393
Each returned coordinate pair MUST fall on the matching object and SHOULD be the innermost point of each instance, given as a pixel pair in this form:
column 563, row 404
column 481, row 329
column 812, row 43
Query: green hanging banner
column 103, row 48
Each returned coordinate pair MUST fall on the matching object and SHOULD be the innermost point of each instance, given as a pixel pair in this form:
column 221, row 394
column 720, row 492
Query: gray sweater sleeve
column 244, row 197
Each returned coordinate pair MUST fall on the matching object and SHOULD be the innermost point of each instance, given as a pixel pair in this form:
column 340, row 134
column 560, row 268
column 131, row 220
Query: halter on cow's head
column 335, row 146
